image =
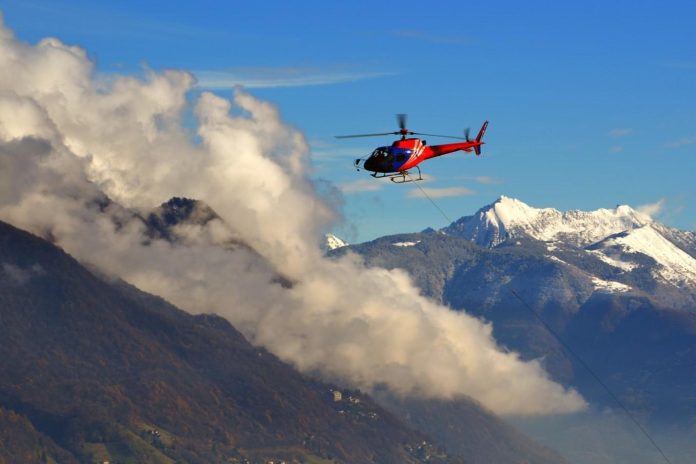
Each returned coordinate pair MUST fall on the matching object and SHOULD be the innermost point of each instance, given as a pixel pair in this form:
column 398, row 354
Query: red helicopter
column 394, row 161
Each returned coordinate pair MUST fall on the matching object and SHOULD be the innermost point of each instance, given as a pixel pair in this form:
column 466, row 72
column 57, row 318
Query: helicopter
column 394, row 161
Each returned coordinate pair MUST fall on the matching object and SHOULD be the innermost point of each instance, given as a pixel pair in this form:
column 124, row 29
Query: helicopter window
column 400, row 157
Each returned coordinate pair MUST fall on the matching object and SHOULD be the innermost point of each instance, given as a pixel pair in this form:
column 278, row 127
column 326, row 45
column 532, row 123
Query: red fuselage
column 405, row 154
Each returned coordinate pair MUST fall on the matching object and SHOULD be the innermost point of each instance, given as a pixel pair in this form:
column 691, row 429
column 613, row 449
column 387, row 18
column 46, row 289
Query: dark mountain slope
column 21, row 443
column 107, row 372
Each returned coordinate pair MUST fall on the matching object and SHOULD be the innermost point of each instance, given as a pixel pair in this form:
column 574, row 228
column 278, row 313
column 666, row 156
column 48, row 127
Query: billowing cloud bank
column 68, row 137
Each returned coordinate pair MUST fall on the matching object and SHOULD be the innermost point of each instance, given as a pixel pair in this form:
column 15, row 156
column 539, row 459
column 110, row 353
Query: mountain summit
column 332, row 242
column 625, row 239
column 508, row 218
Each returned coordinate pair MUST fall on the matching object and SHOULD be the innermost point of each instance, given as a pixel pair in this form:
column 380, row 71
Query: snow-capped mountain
column 332, row 242
column 508, row 218
column 613, row 283
column 621, row 237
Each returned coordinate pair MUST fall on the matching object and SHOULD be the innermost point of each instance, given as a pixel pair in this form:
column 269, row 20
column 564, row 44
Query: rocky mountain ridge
column 507, row 218
column 642, row 253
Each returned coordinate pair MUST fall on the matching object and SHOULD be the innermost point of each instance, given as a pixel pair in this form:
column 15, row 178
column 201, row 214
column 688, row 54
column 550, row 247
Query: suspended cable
column 425, row 194
column 592, row 373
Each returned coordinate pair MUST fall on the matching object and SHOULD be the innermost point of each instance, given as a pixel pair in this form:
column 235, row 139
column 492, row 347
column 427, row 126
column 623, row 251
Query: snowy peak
column 510, row 210
column 673, row 265
column 621, row 237
column 331, row 242
column 508, row 218
column 490, row 225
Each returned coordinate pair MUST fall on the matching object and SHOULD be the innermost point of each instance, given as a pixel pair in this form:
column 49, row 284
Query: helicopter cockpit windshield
column 390, row 154
column 382, row 155
column 387, row 159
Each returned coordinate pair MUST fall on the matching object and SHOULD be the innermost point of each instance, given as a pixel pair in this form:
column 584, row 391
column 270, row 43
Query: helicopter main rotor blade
column 438, row 135
column 365, row 135
column 401, row 118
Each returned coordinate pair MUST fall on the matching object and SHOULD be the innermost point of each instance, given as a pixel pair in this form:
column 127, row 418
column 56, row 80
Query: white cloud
column 362, row 185
column 67, row 140
column 682, row 142
column 616, row 149
column 279, row 77
column 433, row 38
column 483, row 180
column 426, row 178
column 652, row 209
column 327, row 152
column 682, row 64
column 620, row 132
column 440, row 192
column 487, row 180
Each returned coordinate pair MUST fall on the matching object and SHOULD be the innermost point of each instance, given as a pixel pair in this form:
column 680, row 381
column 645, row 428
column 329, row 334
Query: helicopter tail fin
column 477, row 148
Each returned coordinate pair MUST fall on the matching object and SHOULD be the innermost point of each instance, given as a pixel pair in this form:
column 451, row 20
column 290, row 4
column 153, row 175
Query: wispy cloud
column 682, row 64
column 433, row 38
column 345, row 155
column 324, row 150
column 616, row 149
column 487, row 180
column 681, row 142
column 427, row 178
column 653, row 209
column 280, row 77
column 620, row 132
column 362, row 185
column 441, row 192
column 483, row 180
column 109, row 19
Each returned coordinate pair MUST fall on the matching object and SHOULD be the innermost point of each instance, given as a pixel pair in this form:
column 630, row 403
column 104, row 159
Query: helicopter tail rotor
column 477, row 148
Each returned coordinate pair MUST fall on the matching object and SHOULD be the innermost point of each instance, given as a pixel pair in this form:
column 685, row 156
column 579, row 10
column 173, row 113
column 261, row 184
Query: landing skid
column 399, row 177
column 396, row 177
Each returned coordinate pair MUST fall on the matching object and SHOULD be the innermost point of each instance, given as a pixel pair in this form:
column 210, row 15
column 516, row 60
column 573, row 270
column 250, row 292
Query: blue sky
column 591, row 104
